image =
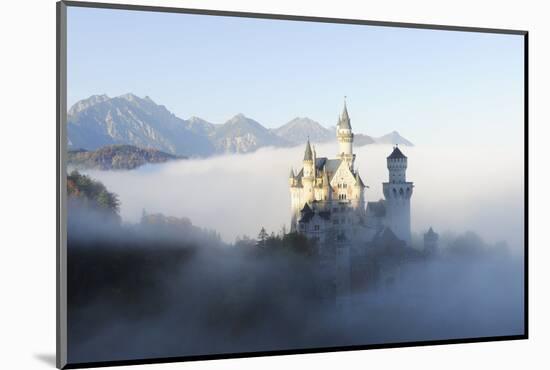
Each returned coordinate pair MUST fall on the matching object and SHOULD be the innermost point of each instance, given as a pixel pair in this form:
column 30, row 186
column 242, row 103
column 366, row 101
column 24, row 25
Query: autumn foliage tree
column 84, row 191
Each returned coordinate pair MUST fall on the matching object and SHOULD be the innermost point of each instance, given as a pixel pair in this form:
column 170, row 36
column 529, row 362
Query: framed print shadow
column 238, row 184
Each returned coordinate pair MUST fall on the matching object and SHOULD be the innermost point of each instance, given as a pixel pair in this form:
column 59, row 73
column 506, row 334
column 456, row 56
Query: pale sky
column 432, row 86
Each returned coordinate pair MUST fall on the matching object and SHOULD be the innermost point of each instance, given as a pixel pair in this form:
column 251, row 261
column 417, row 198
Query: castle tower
column 308, row 180
column 398, row 192
column 430, row 241
column 344, row 135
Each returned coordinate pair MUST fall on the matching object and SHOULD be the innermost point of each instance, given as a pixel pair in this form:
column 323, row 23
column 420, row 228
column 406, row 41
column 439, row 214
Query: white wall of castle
column 342, row 190
column 398, row 192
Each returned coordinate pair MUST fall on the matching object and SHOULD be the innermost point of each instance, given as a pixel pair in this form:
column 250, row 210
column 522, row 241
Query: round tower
column 398, row 192
column 344, row 135
column 309, row 174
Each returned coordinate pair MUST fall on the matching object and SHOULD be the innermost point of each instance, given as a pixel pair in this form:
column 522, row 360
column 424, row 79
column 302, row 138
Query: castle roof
column 388, row 235
column 396, row 154
column 320, row 163
column 344, row 121
column 306, row 209
column 308, row 155
column 291, row 173
column 307, row 213
column 387, row 238
column 377, row 208
column 332, row 165
column 431, row 233
column 323, row 164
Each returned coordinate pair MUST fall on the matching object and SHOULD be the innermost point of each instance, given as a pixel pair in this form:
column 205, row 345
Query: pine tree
column 262, row 236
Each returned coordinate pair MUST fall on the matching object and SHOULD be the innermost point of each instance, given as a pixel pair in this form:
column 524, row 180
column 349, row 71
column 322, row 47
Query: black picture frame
column 61, row 147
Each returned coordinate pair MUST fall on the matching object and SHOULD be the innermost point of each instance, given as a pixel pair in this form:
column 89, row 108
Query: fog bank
column 478, row 188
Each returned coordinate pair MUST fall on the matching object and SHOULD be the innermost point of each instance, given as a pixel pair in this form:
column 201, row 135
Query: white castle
column 328, row 200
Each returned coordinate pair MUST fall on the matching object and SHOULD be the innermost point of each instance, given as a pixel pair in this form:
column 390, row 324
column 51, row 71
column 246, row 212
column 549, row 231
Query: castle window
column 345, row 186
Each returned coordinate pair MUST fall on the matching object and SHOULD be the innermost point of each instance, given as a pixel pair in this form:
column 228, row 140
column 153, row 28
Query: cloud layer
column 478, row 188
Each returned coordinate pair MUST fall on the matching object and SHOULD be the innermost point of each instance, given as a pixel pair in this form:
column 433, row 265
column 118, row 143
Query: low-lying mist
column 457, row 188
column 163, row 289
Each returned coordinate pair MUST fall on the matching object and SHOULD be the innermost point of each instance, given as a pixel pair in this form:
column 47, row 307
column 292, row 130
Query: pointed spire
column 345, row 122
column 396, row 154
column 291, row 173
column 308, row 155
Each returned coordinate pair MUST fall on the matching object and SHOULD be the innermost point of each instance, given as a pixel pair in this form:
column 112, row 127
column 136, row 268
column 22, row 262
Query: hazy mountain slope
column 361, row 139
column 298, row 130
column 128, row 119
column 200, row 126
column 101, row 121
column 242, row 135
column 393, row 138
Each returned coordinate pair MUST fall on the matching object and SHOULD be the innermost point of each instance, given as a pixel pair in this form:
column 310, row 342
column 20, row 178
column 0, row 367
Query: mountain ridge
column 100, row 121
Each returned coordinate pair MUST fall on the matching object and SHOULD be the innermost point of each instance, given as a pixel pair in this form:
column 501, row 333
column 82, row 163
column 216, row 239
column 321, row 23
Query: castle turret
column 291, row 177
column 430, row 241
column 309, row 174
column 344, row 135
column 308, row 160
column 398, row 192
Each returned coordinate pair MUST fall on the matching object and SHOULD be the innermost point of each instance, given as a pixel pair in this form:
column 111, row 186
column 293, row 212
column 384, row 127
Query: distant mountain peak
column 130, row 97
column 83, row 104
column 128, row 119
column 299, row 129
column 238, row 116
column 99, row 120
column 240, row 119
column 393, row 138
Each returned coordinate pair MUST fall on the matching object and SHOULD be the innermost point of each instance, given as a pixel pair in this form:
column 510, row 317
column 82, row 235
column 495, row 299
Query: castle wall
column 398, row 209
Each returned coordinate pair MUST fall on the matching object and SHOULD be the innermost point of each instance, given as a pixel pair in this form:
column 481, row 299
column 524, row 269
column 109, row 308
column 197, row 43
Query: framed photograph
column 237, row 184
